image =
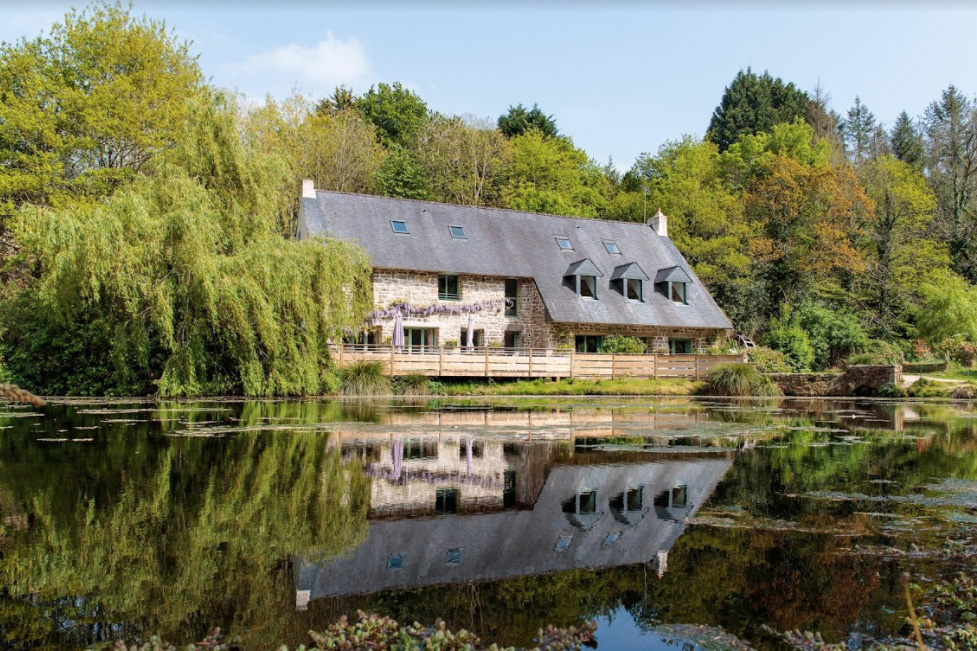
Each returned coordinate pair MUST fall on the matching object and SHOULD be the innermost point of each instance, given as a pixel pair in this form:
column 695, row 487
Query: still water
column 669, row 522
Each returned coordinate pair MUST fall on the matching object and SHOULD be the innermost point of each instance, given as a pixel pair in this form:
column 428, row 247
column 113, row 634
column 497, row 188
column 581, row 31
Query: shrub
column 412, row 385
column 965, row 392
column 365, row 379
column 622, row 345
column 959, row 350
column 740, row 380
column 834, row 335
column 891, row 390
column 787, row 336
column 767, row 360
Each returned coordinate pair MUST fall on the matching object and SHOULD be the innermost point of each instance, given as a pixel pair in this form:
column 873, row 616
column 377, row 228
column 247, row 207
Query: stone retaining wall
column 861, row 380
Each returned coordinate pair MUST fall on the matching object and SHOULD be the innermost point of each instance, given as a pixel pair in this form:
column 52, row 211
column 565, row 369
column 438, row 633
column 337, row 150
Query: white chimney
column 659, row 222
column 308, row 189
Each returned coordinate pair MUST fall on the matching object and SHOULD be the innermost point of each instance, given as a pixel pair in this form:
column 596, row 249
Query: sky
column 620, row 77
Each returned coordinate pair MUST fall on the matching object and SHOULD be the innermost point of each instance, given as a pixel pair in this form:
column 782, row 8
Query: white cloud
column 331, row 61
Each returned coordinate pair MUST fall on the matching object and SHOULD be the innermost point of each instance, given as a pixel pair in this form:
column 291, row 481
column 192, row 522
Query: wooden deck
column 528, row 362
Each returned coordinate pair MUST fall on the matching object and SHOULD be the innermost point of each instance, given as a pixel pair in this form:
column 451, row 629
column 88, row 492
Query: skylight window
column 399, row 227
column 458, row 232
column 564, row 243
column 612, row 248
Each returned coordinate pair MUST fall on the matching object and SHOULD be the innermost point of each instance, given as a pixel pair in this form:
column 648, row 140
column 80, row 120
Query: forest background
column 147, row 217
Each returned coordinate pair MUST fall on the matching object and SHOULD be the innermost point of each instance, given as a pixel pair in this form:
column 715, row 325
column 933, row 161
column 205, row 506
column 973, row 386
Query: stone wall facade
column 420, row 289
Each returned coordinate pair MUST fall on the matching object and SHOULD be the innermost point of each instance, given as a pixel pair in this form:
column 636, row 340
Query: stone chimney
column 659, row 222
column 308, row 189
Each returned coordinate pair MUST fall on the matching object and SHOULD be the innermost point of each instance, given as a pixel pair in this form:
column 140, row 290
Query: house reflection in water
column 451, row 509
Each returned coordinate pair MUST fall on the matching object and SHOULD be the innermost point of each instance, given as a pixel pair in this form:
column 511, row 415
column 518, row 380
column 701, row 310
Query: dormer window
column 678, row 293
column 629, row 279
column 634, row 289
column 564, row 243
column 673, row 282
column 588, row 286
column 581, row 277
column 399, row 227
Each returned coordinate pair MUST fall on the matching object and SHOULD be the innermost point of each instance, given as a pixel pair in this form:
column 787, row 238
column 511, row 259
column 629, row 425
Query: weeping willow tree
column 181, row 282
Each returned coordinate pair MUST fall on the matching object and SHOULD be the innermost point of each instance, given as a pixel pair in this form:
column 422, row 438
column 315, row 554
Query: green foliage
column 951, row 153
column 412, row 385
column 365, row 379
column 898, row 246
column 787, row 336
column 622, row 345
column 767, row 360
column 906, row 141
column 753, row 104
column 519, row 120
column 401, row 176
column 181, row 282
column 463, row 159
column 550, row 175
column 834, row 334
column 948, row 309
column 957, row 349
column 740, row 380
column 397, row 113
column 84, row 108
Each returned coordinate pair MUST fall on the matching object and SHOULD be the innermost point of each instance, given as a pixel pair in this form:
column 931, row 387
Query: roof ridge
column 462, row 205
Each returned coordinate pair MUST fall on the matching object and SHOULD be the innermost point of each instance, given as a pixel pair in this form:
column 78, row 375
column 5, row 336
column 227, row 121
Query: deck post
column 696, row 368
column 654, row 365
column 530, row 362
column 571, row 363
column 392, row 359
column 486, row 362
column 440, row 360
column 613, row 366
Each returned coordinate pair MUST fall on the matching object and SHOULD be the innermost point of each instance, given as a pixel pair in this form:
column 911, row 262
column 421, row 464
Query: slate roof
column 509, row 243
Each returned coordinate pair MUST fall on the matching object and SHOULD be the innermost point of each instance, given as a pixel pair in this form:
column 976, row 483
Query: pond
column 668, row 521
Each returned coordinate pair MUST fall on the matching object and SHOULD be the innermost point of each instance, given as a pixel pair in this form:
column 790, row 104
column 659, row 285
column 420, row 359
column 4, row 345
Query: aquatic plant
column 365, row 379
column 414, row 384
column 740, row 380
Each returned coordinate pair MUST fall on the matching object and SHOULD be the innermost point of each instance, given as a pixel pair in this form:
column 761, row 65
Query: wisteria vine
column 406, row 309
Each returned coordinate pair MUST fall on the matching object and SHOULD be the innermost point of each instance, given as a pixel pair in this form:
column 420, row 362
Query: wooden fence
column 528, row 362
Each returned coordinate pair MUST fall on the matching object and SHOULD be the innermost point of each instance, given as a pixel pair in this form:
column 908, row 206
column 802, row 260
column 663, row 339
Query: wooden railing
column 527, row 362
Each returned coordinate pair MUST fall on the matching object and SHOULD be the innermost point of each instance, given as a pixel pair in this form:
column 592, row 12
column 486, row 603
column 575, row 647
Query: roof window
column 612, row 248
column 458, row 232
column 564, row 243
column 399, row 227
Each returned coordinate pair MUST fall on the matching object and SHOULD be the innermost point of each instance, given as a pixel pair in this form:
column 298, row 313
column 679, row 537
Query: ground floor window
column 588, row 343
column 680, row 346
column 512, row 340
column 420, row 339
column 478, row 338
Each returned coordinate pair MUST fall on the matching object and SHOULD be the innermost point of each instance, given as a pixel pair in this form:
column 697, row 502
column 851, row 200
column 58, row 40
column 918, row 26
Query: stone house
column 525, row 280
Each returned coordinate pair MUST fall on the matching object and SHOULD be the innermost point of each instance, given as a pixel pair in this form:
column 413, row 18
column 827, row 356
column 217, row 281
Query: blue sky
column 620, row 79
